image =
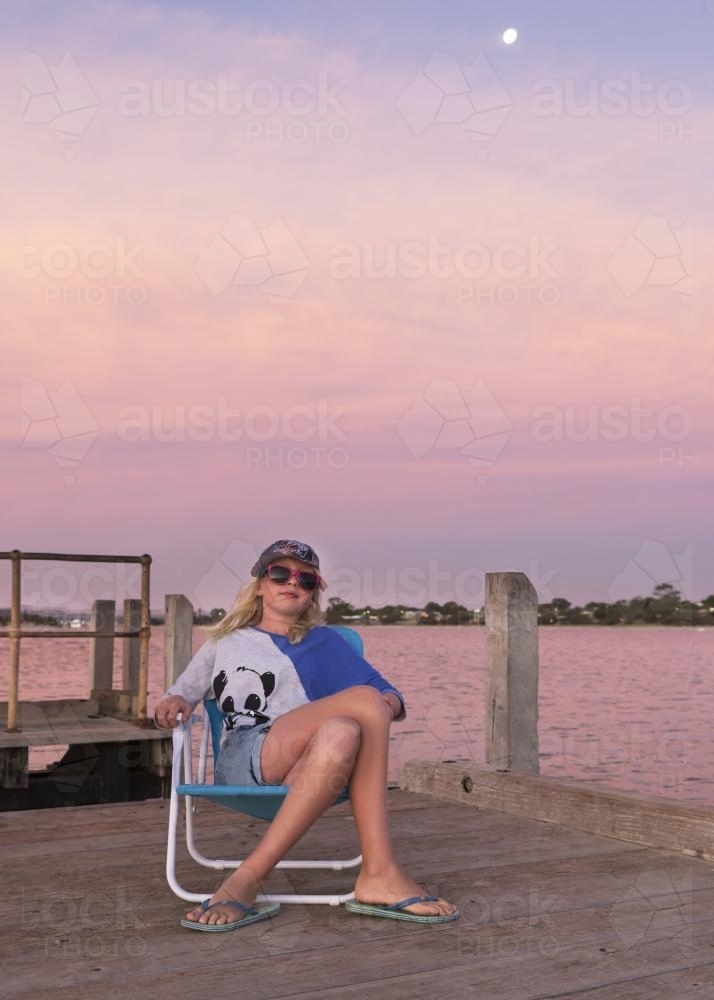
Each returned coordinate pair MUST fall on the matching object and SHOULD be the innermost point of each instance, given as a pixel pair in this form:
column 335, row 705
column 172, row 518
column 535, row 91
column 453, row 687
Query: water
column 626, row 708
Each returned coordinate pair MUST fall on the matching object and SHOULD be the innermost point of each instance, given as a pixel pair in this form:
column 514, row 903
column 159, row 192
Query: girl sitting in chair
column 302, row 709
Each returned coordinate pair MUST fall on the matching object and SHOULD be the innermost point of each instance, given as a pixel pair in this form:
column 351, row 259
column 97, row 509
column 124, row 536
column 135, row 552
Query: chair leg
column 201, row 859
column 334, row 899
column 216, row 864
column 174, row 884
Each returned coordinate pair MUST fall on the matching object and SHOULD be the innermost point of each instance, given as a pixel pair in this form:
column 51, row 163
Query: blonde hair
column 248, row 610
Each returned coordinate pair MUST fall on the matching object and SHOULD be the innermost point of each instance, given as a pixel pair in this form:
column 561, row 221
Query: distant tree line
column 30, row 618
column 664, row 606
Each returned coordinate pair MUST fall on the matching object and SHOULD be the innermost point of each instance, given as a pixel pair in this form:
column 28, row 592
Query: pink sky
column 572, row 513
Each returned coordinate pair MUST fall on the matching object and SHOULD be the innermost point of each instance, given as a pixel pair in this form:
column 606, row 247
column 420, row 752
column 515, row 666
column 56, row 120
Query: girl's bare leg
column 317, row 749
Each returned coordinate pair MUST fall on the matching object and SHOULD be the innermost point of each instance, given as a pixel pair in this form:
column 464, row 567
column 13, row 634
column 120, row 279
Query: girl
column 301, row 709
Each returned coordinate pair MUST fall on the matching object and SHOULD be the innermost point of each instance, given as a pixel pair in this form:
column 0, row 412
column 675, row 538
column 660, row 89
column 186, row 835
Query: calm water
column 628, row 708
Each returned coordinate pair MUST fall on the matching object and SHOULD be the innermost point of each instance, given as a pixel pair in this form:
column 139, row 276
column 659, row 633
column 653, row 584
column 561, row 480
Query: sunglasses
column 305, row 579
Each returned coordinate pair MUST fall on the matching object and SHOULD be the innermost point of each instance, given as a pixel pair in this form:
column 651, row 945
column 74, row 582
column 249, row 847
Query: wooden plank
column 687, row 828
column 483, row 890
column 101, row 650
column 94, row 911
column 39, row 713
column 511, row 704
column 72, row 729
column 503, row 985
column 695, row 983
column 319, row 951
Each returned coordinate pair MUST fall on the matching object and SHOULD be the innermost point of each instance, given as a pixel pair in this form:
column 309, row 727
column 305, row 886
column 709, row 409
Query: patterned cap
column 285, row 547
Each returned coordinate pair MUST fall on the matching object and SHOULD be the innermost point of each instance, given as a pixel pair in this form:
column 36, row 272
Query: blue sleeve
column 346, row 668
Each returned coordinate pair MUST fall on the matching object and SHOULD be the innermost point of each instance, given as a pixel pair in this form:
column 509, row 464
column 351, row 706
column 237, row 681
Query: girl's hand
column 167, row 710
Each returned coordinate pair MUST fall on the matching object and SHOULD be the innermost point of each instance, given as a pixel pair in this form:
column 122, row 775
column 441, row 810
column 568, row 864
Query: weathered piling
column 101, row 647
column 130, row 645
column 512, row 673
column 178, row 634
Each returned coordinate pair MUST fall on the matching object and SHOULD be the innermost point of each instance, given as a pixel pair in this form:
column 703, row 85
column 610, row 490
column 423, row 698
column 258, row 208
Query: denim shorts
column 239, row 757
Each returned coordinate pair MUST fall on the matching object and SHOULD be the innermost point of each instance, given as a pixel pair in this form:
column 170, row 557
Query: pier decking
column 547, row 912
column 105, row 759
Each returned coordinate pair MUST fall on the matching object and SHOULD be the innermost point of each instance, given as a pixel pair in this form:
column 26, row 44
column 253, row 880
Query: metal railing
column 15, row 633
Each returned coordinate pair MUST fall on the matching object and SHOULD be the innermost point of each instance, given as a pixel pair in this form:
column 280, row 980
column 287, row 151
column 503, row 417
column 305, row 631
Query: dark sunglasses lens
column 279, row 574
column 308, row 581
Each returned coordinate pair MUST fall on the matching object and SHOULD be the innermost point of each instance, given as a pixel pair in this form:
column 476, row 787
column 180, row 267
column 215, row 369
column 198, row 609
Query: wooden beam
column 70, row 557
column 117, row 703
column 33, row 713
column 511, row 613
column 653, row 821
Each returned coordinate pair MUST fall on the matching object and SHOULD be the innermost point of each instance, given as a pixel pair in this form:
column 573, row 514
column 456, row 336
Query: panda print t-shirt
column 255, row 676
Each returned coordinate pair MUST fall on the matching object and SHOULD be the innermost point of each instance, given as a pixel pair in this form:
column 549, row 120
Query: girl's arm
column 394, row 703
column 349, row 668
column 195, row 682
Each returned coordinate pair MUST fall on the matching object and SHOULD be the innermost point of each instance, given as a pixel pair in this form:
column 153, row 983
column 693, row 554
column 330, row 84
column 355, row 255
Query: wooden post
column 15, row 621
column 14, row 768
column 145, row 625
column 177, row 636
column 101, row 650
column 130, row 652
column 512, row 673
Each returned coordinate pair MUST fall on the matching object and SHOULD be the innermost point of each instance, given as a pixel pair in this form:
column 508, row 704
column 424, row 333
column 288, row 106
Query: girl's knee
column 338, row 737
column 364, row 693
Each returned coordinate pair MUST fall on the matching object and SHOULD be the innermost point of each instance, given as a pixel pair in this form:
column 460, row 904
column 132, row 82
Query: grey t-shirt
column 256, row 676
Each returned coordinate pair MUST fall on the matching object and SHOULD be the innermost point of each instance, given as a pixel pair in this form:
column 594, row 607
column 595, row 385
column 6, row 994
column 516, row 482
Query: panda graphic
column 243, row 692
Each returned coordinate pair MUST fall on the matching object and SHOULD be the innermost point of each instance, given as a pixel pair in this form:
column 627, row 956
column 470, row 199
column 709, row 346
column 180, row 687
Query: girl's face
column 288, row 599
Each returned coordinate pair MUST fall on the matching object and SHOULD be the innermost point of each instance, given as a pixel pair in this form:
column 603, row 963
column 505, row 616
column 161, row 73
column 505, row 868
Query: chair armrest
column 187, row 723
column 182, row 749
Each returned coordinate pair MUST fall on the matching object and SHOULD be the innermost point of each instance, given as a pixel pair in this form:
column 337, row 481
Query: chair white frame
column 183, row 764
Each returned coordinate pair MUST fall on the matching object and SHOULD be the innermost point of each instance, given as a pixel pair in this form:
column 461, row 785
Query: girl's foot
column 391, row 886
column 240, row 886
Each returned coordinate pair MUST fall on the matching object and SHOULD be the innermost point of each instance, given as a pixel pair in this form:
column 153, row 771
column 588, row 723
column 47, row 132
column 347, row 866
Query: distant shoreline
column 155, row 623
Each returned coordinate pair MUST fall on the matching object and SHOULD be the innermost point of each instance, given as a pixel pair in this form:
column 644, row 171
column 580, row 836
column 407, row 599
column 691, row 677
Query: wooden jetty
column 566, row 891
column 546, row 912
column 113, row 751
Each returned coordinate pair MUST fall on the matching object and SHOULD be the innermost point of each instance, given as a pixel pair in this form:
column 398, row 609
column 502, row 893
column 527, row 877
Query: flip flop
column 393, row 910
column 252, row 915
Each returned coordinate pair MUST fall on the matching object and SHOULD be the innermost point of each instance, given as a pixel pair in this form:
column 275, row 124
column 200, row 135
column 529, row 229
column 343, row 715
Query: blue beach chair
column 260, row 801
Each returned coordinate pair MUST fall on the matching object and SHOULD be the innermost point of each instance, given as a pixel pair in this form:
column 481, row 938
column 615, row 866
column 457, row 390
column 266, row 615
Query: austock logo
column 69, row 774
column 443, row 418
column 59, row 422
column 651, row 568
column 57, row 96
column 243, row 255
column 655, row 907
column 229, row 573
column 444, row 93
column 655, row 255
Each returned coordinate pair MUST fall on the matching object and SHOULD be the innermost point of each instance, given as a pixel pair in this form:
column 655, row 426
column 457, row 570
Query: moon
column 509, row 36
